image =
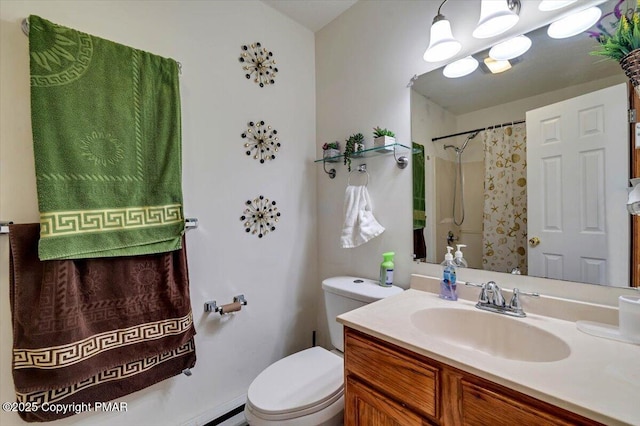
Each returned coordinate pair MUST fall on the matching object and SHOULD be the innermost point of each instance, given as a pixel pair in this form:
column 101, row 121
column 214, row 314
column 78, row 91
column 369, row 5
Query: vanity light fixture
column 496, row 17
column 574, row 24
column 511, row 48
column 549, row 5
column 497, row 67
column 461, row 67
column 442, row 45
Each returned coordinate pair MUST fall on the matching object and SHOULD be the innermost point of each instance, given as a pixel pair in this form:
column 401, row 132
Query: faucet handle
column 496, row 294
column 482, row 298
column 515, row 299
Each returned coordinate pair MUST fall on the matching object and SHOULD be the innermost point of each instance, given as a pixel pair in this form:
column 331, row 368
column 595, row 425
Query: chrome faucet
column 495, row 295
column 492, row 300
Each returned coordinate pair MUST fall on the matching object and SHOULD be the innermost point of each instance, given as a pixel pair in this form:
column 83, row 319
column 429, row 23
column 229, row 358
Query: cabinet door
column 366, row 407
column 481, row 406
column 407, row 379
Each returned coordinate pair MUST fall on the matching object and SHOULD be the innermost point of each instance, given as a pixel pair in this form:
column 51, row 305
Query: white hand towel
column 359, row 224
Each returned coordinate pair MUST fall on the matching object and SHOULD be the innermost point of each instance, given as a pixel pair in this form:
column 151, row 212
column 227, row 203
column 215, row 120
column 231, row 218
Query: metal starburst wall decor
column 259, row 63
column 262, row 141
column 260, row 216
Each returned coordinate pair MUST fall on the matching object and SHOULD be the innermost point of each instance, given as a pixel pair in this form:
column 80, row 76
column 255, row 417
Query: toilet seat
column 299, row 385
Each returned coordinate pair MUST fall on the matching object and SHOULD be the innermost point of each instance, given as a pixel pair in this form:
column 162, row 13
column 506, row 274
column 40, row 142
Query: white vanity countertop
column 600, row 379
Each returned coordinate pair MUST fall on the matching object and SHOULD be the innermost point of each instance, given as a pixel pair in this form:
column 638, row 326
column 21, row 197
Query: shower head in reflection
column 461, row 149
column 471, row 136
column 458, row 182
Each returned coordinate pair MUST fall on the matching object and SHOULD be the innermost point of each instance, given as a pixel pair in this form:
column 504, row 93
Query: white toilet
column 306, row 388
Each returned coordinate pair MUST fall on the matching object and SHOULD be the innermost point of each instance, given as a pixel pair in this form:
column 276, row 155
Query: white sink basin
column 491, row 333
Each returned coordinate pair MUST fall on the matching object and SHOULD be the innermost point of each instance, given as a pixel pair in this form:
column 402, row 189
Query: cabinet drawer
column 406, row 379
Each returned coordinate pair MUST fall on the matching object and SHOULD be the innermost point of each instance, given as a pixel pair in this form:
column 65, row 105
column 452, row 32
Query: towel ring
column 362, row 168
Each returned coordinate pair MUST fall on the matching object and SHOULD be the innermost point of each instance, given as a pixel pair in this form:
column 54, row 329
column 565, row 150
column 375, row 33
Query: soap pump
column 386, row 269
column 459, row 260
column 448, row 282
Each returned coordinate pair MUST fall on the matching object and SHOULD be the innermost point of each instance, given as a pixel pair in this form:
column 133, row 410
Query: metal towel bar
column 189, row 223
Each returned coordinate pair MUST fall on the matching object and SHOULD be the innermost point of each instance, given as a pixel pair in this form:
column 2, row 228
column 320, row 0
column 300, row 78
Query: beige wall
column 278, row 273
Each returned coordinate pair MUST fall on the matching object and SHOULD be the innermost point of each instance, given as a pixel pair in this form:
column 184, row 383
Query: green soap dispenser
column 386, row 269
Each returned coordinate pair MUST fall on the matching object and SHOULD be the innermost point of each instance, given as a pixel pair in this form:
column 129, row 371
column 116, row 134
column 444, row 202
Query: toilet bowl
column 307, row 388
column 290, row 393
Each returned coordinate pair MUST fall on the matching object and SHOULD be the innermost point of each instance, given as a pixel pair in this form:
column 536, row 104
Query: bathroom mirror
column 552, row 71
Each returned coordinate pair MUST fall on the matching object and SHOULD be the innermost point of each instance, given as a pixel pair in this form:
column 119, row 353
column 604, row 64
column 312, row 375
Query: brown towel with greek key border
column 93, row 330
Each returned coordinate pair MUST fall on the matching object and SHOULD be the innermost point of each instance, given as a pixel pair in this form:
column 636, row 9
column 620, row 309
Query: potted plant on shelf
column 331, row 151
column 624, row 46
column 354, row 144
column 383, row 138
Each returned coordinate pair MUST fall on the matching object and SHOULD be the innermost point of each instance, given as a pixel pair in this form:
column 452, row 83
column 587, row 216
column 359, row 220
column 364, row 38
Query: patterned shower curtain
column 505, row 199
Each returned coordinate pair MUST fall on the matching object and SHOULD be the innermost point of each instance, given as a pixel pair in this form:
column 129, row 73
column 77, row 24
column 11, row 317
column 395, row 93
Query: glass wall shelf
column 401, row 161
column 369, row 152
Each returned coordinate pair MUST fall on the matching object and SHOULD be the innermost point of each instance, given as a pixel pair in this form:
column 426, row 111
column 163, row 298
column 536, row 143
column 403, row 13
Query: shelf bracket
column 331, row 172
column 401, row 161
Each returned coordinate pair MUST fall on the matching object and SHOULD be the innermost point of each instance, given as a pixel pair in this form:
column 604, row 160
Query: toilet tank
column 344, row 294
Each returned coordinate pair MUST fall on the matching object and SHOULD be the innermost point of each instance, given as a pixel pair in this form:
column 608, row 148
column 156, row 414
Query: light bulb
column 511, row 48
column 442, row 45
column 495, row 18
column 549, row 5
column 574, row 24
column 461, row 67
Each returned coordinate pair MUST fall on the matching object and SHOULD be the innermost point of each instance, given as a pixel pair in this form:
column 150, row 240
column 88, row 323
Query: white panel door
column 577, row 179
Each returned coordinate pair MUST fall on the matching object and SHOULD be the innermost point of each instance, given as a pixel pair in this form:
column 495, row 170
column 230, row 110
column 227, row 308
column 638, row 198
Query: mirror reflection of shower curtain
column 505, row 199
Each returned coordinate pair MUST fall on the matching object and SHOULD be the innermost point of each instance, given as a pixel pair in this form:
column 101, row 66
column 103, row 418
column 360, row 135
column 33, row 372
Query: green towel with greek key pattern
column 107, row 145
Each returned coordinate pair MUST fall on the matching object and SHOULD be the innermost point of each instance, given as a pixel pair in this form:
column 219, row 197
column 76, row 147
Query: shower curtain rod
column 477, row 130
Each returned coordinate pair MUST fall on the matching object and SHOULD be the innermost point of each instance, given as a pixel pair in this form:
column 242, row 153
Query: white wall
column 360, row 83
column 516, row 110
column 278, row 273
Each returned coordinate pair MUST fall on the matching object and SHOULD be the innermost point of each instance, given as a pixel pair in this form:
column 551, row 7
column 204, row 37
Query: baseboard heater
column 226, row 416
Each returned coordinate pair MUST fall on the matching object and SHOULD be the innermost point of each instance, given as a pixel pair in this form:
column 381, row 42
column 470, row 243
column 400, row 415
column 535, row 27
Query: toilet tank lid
column 362, row 289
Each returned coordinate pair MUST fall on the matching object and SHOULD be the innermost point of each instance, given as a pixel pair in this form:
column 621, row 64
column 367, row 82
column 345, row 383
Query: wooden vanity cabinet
column 386, row 385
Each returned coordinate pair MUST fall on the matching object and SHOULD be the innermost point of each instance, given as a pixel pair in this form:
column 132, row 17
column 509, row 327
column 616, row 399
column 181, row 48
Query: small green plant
column 353, row 144
column 378, row 132
column 625, row 40
column 331, row 145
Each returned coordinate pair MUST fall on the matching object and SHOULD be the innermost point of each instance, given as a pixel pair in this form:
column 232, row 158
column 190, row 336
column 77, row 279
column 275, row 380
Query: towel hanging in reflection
column 359, row 224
